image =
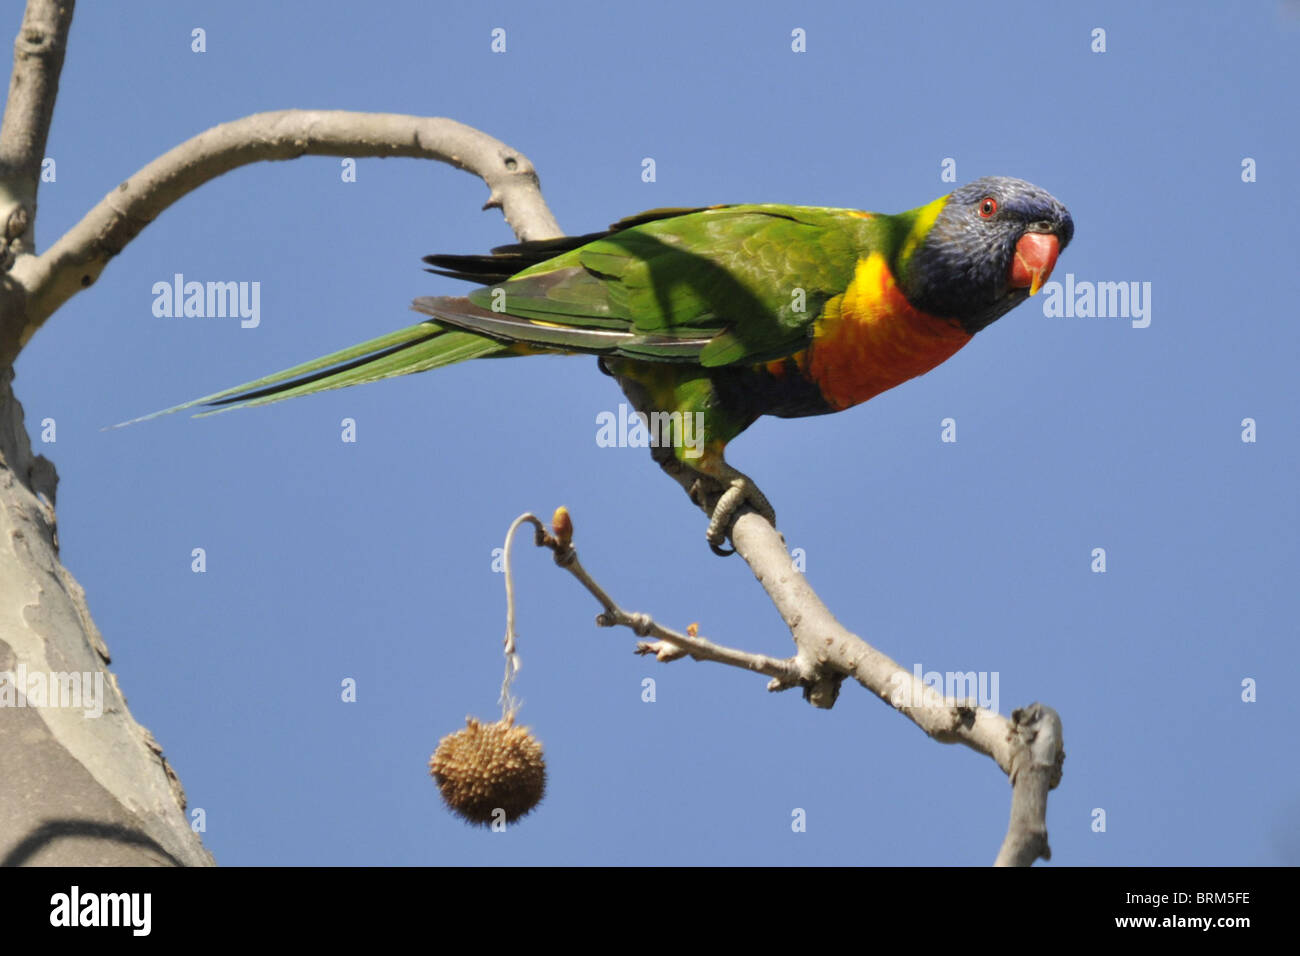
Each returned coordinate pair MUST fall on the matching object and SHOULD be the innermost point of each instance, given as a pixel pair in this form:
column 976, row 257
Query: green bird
column 713, row 317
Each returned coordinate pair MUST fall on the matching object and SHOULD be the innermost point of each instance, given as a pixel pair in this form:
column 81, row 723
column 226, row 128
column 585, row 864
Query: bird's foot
column 737, row 490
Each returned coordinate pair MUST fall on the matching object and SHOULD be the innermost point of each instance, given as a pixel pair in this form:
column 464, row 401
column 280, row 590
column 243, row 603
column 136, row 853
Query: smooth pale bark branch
column 33, row 87
column 80, row 255
column 1035, row 770
column 1022, row 746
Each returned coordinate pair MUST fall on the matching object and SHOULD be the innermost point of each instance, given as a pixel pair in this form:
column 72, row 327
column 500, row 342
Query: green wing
column 720, row 286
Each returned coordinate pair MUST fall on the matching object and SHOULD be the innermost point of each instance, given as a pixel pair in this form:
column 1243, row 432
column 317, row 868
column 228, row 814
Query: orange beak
column 1036, row 254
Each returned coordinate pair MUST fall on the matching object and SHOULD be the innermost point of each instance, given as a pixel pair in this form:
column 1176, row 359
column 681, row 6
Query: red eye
column 988, row 207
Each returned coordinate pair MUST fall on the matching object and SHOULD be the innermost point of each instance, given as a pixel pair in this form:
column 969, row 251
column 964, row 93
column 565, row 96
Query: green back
column 746, row 281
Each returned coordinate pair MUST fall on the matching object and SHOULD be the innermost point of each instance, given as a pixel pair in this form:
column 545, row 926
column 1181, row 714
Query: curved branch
column 76, row 260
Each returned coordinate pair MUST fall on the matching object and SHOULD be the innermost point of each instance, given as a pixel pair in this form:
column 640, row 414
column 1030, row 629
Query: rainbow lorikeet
column 728, row 313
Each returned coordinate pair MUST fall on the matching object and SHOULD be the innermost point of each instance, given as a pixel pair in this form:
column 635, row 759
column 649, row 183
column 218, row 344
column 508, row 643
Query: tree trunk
column 76, row 789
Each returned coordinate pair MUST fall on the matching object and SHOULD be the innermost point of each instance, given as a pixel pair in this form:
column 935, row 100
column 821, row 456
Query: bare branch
column 1036, row 769
column 76, row 260
column 784, row 673
column 1028, row 747
column 1022, row 746
column 33, row 87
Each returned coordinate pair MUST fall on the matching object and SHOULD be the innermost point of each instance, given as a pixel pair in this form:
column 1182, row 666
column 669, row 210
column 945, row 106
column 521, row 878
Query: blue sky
column 373, row 560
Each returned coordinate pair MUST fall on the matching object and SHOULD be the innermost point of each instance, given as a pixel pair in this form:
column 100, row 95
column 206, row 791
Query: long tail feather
column 416, row 349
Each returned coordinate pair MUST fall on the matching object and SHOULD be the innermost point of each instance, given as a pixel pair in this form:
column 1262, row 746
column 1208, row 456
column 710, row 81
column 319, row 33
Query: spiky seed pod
column 486, row 767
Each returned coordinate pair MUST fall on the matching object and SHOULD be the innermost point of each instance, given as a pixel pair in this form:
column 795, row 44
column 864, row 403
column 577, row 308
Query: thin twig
column 509, row 706
column 784, row 673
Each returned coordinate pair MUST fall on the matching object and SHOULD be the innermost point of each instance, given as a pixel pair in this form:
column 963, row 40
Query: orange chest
column 870, row 339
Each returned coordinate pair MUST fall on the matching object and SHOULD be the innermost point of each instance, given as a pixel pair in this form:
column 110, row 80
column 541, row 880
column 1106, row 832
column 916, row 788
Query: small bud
column 693, row 629
column 562, row 526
